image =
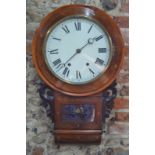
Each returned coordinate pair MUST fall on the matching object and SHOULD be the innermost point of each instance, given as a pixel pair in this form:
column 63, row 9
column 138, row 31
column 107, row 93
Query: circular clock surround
column 102, row 81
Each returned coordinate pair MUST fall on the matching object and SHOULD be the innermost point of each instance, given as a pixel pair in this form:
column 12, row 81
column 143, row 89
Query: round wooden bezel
column 100, row 83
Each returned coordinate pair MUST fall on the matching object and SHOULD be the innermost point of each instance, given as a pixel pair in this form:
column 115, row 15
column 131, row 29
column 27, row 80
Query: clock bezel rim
column 87, row 18
column 87, row 89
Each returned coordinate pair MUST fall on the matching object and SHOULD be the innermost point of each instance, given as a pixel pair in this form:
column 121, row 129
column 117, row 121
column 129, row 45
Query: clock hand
column 71, row 57
column 90, row 41
column 64, row 64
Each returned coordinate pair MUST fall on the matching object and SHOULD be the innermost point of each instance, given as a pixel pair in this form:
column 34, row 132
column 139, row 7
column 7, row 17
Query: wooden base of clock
column 78, row 119
column 78, row 136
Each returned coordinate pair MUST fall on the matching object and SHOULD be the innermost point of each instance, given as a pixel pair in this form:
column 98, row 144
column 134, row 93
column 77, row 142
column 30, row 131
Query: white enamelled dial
column 77, row 50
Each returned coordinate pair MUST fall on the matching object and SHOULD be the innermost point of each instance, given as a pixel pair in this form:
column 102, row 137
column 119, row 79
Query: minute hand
column 90, row 41
column 71, row 57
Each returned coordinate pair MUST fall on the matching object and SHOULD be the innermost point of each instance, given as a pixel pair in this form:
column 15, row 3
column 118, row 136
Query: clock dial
column 77, row 50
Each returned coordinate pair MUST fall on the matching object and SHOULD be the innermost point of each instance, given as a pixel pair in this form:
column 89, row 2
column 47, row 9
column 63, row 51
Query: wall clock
column 78, row 51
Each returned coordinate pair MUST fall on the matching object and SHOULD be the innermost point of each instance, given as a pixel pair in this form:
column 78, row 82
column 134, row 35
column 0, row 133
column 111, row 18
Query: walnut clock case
column 78, row 51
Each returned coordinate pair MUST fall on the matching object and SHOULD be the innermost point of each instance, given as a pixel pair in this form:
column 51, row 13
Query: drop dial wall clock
column 78, row 51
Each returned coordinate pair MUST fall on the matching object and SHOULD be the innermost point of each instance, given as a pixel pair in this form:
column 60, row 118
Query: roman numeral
column 53, row 51
column 99, row 37
column 78, row 75
column 99, row 61
column 60, row 66
column 77, row 26
column 92, row 71
column 66, row 71
column 102, row 50
column 65, row 28
column 56, row 39
column 90, row 28
column 56, row 62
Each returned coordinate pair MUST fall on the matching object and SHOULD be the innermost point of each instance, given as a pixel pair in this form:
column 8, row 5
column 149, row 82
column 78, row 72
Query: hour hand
column 91, row 40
